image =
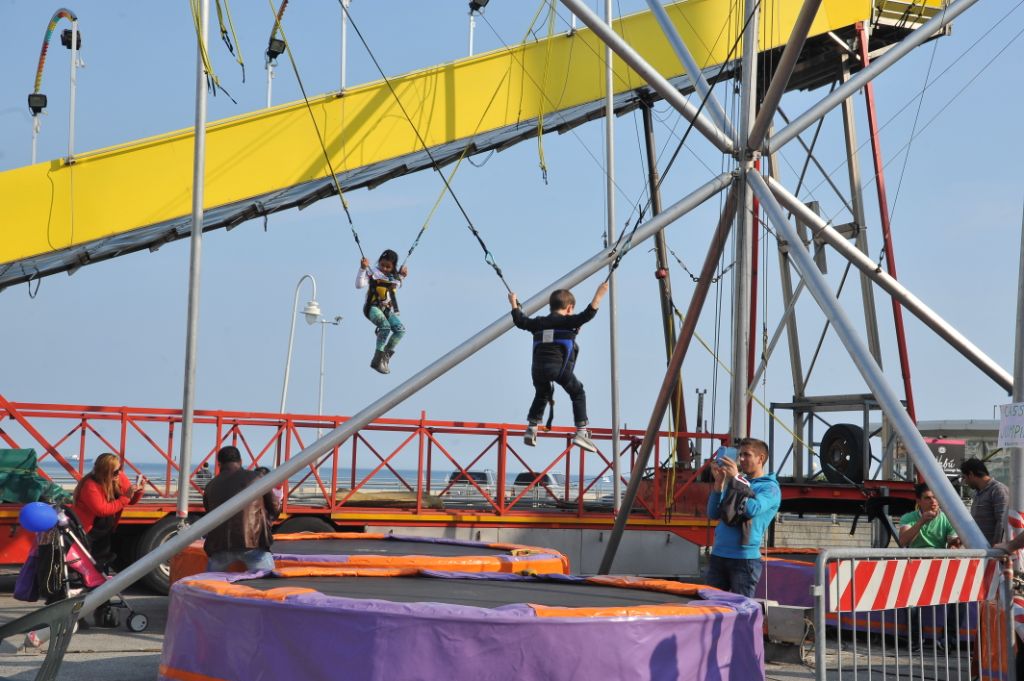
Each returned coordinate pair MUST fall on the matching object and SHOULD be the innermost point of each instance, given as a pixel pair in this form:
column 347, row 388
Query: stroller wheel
column 137, row 622
column 106, row 617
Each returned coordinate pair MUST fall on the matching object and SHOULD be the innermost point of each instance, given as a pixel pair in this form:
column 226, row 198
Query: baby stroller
column 65, row 568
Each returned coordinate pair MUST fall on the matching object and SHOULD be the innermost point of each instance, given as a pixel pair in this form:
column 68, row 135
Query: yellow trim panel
column 148, row 182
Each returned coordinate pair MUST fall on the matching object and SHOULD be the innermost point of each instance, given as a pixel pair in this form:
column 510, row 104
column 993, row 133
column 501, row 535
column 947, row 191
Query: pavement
column 96, row 654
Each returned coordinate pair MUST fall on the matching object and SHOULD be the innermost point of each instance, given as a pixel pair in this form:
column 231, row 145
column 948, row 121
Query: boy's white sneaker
column 583, row 440
column 530, row 436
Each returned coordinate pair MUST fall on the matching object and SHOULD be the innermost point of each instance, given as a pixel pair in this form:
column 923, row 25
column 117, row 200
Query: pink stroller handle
column 83, row 566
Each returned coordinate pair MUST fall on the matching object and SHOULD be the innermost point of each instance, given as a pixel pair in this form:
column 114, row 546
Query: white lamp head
column 312, row 312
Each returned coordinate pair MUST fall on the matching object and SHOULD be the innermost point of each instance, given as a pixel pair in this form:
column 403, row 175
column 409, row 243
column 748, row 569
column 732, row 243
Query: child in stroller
column 65, row 568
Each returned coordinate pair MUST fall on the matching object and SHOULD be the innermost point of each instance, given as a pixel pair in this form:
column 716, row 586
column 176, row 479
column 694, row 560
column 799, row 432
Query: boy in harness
column 381, row 306
column 554, row 358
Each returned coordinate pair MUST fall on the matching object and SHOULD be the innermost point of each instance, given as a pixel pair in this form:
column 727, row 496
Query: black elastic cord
column 488, row 257
column 319, row 138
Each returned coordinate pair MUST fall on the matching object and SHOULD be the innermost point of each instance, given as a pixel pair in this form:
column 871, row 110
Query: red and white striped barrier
column 868, row 585
column 1015, row 521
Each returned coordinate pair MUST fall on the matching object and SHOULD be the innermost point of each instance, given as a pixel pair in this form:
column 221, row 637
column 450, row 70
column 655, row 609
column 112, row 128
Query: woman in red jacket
column 100, row 497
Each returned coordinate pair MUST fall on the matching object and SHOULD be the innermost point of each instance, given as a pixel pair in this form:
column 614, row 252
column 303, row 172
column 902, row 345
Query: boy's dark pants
column 543, row 374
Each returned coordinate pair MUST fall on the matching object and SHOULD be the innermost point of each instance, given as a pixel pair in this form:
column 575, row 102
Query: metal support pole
column 699, row 426
column 675, row 364
column 793, row 341
column 753, row 338
column 195, row 260
column 391, row 398
column 320, row 387
column 609, row 116
column 899, row 292
column 472, row 29
column 344, row 43
column 700, row 83
column 877, row 67
column 776, row 336
column 74, row 91
column 657, row 82
column 1016, row 454
column 859, row 216
column 883, row 210
column 887, row 398
column 783, row 72
column 739, row 425
column 664, row 282
column 291, row 337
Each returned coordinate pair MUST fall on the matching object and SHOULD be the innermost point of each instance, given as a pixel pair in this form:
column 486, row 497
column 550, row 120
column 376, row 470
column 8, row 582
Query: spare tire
column 842, row 454
column 159, row 578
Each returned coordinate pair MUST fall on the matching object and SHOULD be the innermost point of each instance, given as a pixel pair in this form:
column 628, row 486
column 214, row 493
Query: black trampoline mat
column 383, row 547
column 480, row 593
column 802, row 557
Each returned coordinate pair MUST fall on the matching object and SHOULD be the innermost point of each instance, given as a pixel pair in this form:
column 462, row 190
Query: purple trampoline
column 385, row 625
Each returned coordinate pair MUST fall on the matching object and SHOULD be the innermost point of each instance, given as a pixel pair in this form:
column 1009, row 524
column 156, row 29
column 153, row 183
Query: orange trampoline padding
column 348, row 550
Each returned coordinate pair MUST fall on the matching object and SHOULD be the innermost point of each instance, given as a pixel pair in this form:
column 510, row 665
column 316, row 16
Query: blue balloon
column 37, row 517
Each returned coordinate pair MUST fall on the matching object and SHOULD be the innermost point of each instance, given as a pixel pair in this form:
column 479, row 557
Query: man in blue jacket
column 735, row 561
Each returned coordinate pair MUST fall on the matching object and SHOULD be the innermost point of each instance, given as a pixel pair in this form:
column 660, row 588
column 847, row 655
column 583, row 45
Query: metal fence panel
column 913, row 614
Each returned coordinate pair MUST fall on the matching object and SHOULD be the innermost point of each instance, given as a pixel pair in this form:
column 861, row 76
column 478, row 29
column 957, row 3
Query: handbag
column 26, row 588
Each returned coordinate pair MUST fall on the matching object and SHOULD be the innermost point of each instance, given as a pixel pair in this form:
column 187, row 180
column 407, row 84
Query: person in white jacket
column 381, row 306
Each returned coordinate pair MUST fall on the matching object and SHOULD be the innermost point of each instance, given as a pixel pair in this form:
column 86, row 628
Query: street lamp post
column 475, row 7
column 312, row 313
column 323, row 335
column 344, row 44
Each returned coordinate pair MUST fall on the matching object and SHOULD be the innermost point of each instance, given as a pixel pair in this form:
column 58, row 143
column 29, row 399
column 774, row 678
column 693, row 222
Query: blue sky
column 114, row 332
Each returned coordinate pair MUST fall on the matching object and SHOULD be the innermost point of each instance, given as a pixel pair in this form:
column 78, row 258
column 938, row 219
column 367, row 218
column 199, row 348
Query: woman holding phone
column 99, row 499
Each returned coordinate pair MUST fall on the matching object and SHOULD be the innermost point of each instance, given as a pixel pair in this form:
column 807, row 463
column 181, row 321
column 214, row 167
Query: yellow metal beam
column 118, row 190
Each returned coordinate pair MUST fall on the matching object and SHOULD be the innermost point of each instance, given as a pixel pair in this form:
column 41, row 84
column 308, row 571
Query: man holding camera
column 744, row 499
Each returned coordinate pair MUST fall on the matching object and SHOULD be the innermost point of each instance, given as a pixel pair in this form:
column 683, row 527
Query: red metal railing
column 453, row 461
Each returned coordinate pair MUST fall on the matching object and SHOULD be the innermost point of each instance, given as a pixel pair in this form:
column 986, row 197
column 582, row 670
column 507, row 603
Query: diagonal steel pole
column 783, row 72
column 866, row 75
column 394, row 397
column 890, row 285
column 657, row 82
column 668, row 384
column 887, row 398
column 700, row 83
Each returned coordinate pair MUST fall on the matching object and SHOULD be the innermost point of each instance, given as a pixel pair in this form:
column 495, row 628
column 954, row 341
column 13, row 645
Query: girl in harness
column 381, row 306
column 554, row 358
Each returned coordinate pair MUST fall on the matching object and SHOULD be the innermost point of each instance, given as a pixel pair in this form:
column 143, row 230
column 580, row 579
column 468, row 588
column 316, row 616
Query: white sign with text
column 1011, row 425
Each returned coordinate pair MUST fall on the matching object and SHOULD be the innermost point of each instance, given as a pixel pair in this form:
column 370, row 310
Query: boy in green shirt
column 927, row 527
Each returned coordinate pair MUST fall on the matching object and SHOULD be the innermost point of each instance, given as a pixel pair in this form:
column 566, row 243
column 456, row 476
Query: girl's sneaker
column 379, row 362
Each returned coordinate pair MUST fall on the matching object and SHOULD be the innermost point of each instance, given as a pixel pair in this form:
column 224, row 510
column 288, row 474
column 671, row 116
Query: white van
column 549, row 487
column 460, row 485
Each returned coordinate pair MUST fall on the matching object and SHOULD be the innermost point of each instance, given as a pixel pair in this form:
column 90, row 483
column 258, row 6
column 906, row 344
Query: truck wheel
column 304, row 523
column 159, row 578
column 842, row 454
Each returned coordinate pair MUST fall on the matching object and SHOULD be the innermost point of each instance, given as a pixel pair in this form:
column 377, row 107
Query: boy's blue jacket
column 761, row 509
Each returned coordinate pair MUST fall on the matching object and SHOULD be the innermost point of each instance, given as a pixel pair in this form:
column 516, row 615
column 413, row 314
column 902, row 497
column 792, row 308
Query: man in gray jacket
column 991, row 499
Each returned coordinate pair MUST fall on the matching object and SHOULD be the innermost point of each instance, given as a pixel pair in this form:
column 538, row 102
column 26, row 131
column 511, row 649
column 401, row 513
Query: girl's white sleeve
column 362, row 278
